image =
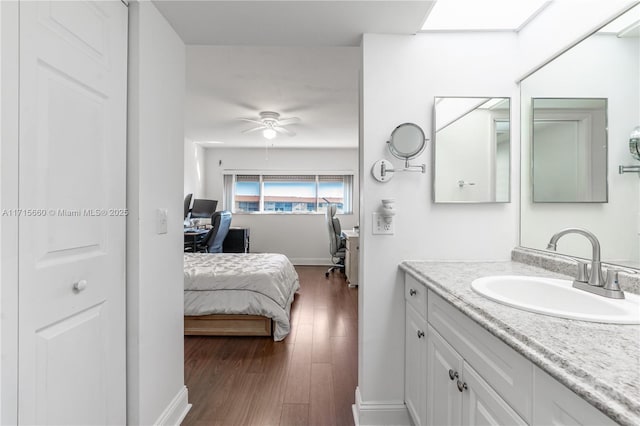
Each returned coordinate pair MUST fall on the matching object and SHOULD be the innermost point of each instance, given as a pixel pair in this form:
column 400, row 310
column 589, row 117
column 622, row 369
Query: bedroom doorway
column 311, row 376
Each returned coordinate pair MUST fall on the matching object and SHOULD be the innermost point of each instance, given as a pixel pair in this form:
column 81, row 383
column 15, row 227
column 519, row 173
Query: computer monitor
column 203, row 208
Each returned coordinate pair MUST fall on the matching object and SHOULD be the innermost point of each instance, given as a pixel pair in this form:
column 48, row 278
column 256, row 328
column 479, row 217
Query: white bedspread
column 241, row 283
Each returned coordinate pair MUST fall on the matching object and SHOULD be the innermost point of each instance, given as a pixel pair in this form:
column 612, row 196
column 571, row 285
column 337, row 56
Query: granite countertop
column 599, row 362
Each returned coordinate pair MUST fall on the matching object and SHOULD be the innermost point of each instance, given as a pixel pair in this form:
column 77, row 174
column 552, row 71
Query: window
column 287, row 193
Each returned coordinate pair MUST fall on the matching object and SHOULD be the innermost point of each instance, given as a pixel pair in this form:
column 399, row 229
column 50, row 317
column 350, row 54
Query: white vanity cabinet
column 415, row 382
column 457, row 373
column 457, row 395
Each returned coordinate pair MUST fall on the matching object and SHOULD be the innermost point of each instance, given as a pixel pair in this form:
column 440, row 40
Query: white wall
column 401, row 76
column 608, row 67
column 560, row 25
column 194, row 169
column 301, row 237
column 155, row 366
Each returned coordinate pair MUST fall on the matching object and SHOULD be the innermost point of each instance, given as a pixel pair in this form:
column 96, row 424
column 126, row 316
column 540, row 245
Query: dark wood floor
column 307, row 379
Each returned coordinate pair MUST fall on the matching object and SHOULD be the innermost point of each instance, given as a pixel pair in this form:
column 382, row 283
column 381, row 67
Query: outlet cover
column 380, row 225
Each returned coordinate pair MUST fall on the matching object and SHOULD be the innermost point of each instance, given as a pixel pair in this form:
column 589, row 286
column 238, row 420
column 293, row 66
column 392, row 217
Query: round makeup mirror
column 407, row 141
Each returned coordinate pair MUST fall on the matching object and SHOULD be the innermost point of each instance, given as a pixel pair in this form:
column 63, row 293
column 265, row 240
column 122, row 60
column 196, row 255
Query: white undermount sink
column 558, row 298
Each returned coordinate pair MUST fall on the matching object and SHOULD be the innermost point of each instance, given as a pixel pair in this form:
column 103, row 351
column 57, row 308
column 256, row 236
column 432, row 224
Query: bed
column 240, row 294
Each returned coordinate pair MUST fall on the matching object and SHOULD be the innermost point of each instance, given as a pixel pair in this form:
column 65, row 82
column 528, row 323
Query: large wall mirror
column 471, row 150
column 569, row 150
column 569, row 177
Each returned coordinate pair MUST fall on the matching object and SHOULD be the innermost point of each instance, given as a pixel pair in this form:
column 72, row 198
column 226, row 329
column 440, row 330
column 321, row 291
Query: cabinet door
column 481, row 405
column 443, row 398
column 555, row 404
column 415, row 387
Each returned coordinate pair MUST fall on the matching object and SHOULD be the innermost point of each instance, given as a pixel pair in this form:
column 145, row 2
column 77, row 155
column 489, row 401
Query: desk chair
column 337, row 247
column 212, row 242
column 187, row 205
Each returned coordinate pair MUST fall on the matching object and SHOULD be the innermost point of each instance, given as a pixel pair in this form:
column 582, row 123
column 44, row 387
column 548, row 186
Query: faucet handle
column 612, row 280
column 582, row 275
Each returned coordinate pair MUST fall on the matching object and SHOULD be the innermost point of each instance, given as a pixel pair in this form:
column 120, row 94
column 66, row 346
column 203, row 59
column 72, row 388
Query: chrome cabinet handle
column 79, row 286
column 461, row 386
column 412, row 292
column 420, row 334
column 453, row 374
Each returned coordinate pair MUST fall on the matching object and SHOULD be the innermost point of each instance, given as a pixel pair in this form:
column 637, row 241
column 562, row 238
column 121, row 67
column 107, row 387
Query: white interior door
column 72, row 178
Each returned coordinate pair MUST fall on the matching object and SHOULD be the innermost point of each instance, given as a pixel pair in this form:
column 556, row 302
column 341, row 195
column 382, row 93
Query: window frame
column 230, row 181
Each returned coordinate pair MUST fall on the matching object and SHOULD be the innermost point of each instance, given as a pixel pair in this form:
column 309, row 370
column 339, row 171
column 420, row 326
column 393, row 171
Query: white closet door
column 72, row 178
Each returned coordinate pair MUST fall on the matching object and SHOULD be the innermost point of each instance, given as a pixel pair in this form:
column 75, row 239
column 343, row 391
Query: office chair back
column 336, row 242
column 220, row 223
column 187, row 204
column 203, row 208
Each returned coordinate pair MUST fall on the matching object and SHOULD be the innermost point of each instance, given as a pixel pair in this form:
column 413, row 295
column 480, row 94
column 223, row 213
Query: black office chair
column 187, row 205
column 212, row 242
column 337, row 248
column 203, row 208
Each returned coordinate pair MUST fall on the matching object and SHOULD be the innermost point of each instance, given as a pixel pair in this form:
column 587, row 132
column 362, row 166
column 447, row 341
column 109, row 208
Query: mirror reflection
column 471, row 150
column 603, row 66
column 569, row 150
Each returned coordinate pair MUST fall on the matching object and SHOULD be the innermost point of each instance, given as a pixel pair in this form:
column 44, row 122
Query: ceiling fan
column 271, row 124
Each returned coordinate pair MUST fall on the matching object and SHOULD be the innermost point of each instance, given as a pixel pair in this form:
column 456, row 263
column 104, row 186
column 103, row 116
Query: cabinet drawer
column 506, row 371
column 416, row 295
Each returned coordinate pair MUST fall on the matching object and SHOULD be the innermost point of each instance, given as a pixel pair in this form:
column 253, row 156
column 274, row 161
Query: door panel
column 444, row 401
column 416, row 364
column 481, row 404
column 72, row 227
column 55, row 364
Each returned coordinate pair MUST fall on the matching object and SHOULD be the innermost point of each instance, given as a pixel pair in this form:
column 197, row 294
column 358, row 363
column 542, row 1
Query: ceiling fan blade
column 284, row 131
column 254, row 129
column 250, row 120
column 288, row 120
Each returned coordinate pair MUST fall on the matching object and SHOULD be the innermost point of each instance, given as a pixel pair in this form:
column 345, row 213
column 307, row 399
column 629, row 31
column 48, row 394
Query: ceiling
column 297, row 58
column 290, row 23
column 318, row 84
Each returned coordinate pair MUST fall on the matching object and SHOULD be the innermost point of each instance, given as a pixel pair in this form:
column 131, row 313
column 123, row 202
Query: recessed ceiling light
column 485, row 15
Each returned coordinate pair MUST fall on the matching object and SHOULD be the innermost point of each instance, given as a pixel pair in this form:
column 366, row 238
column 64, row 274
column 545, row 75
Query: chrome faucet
column 592, row 281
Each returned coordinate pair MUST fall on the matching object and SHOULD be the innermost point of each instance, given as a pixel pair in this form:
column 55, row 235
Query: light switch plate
column 161, row 221
column 380, row 225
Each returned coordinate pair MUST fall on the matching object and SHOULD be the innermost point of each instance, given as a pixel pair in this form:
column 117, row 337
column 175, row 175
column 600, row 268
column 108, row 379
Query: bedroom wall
column 194, row 169
column 155, row 367
column 401, row 76
column 301, row 237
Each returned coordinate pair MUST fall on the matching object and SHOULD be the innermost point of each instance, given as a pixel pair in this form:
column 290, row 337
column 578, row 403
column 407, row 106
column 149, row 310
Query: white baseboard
column 379, row 413
column 310, row 261
column 176, row 411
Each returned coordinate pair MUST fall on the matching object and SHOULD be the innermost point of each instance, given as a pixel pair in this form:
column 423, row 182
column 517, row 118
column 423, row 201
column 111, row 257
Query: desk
column 351, row 257
column 236, row 241
column 193, row 237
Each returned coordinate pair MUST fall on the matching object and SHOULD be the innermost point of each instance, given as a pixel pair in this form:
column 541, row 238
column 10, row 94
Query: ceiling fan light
column 269, row 133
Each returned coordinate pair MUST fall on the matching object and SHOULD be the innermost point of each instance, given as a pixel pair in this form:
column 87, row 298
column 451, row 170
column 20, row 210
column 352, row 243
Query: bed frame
column 227, row 325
